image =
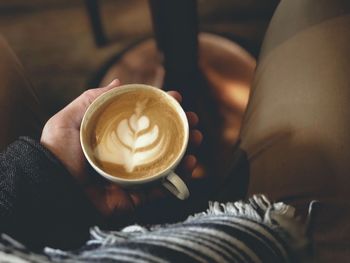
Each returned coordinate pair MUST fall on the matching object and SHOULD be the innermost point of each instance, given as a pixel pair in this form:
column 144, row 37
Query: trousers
column 296, row 130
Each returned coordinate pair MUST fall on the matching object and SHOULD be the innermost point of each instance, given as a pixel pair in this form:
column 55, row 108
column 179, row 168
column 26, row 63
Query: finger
column 192, row 118
column 158, row 193
column 77, row 108
column 109, row 199
column 189, row 163
column 114, row 82
column 138, row 198
column 186, row 167
column 90, row 95
column 148, row 195
column 97, row 197
column 176, row 95
column 196, row 137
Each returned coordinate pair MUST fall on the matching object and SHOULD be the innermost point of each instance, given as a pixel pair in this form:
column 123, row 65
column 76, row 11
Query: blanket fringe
column 278, row 216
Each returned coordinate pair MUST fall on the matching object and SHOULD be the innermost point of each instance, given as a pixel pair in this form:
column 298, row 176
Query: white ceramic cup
column 168, row 177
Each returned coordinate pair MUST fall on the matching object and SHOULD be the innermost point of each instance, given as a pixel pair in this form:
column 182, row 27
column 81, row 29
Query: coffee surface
column 137, row 135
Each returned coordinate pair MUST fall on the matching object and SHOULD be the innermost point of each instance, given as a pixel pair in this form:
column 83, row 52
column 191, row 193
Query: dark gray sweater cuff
column 40, row 203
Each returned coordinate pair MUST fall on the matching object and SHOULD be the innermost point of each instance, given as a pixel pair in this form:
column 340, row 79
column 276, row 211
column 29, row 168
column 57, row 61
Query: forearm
column 40, row 204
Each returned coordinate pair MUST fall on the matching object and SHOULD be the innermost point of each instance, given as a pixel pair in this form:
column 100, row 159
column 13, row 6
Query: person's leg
column 296, row 131
column 20, row 112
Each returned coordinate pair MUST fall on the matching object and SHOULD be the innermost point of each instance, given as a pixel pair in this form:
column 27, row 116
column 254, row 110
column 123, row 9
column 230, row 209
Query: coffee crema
column 138, row 134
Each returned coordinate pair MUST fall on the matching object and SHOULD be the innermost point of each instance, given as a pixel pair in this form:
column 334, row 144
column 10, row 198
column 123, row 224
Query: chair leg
column 93, row 10
column 176, row 29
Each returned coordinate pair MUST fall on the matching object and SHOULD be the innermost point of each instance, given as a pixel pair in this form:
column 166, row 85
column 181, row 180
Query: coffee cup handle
column 176, row 186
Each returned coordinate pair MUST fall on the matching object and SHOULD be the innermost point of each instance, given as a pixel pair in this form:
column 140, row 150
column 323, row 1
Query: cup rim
column 115, row 92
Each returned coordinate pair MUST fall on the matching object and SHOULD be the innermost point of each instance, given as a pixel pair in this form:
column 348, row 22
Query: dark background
column 53, row 38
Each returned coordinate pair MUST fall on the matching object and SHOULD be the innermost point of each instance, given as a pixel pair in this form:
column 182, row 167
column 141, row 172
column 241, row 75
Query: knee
column 294, row 16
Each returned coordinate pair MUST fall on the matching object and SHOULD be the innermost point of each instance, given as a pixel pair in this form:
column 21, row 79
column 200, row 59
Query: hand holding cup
column 61, row 136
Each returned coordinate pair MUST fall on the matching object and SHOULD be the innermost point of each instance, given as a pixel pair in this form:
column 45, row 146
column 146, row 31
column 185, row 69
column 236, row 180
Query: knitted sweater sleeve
column 40, row 204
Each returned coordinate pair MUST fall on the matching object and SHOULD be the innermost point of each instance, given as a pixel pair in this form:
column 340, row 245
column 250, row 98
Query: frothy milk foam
column 122, row 145
column 137, row 135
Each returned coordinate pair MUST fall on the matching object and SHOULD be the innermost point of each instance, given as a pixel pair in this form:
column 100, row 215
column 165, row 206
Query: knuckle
column 89, row 95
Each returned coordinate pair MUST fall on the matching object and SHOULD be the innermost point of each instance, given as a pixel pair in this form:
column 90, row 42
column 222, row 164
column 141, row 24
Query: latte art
column 132, row 142
column 138, row 134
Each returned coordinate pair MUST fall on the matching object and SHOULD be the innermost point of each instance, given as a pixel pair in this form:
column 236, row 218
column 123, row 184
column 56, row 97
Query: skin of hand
column 61, row 136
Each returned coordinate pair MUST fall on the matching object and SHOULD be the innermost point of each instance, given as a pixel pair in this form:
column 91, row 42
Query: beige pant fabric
column 296, row 131
column 20, row 111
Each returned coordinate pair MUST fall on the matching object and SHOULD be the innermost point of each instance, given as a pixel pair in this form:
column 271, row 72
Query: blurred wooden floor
column 53, row 38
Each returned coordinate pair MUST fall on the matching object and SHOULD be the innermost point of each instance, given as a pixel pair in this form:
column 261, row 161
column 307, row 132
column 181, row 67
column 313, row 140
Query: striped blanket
column 252, row 231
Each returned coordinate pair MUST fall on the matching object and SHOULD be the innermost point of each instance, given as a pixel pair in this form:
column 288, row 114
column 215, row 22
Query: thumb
column 77, row 108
